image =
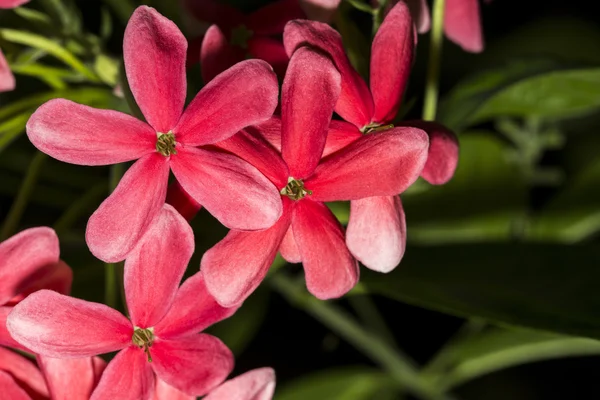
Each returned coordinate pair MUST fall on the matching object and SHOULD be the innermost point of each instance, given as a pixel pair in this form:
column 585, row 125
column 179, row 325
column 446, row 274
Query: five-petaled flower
column 308, row 231
column 376, row 232
column 162, row 337
column 232, row 190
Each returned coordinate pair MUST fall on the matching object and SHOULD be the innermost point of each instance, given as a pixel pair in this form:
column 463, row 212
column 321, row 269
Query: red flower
column 161, row 339
column 377, row 229
column 258, row 384
column 307, row 231
column 232, row 190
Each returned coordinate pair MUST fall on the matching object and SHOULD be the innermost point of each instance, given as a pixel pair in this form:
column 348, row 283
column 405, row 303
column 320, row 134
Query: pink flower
column 232, row 190
column 12, row 3
column 161, row 339
column 258, row 384
column 377, row 229
column 29, row 262
column 307, row 231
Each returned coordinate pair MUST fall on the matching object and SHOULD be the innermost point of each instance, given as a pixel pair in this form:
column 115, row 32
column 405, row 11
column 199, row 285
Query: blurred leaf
column 543, row 286
column 356, row 383
column 341, row 210
column 357, row 46
column 11, row 128
column 107, row 69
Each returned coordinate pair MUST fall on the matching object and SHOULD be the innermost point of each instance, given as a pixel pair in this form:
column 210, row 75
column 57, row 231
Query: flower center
column 240, row 36
column 295, row 189
column 143, row 338
column 165, row 144
column 375, row 127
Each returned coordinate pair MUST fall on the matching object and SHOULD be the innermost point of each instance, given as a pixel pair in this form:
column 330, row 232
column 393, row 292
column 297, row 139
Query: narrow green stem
column 16, row 211
column 122, row 8
column 379, row 15
column 398, row 365
column 367, row 312
column 435, row 58
column 111, row 281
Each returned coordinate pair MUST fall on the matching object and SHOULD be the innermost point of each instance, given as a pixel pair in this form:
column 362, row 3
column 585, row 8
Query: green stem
column 110, row 272
column 399, row 366
column 435, row 58
column 122, row 8
column 16, row 211
column 367, row 312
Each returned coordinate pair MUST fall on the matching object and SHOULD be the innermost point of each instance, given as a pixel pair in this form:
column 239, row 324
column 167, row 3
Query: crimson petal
column 217, row 54
column 462, row 24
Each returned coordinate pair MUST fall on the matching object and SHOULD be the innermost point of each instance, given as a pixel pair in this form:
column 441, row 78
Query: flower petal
column 442, row 157
column 164, row 391
column 153, row 270
column 57, row 277
column 24, row 373
column 118, row 224
column 245, row 94
column 83, row 135
column 154, row 53
column 69, row 379
column 127, row 377
column 378, row 164
column 55, row 325
column 271, row 131
column 217, row 54
column 420, row 13
column 182, row 201
column 12, row 3
column 258, row 384
column 232, row 190
column 271, row 50
column 355, row 103
column 320, row 10
column 391, row 60
column 193, row 310
column 310, row 90
column 271, row 18
column 7, row 79
column 289, row 248
column 215, row 12
column 23, row 256
column 5, row 338
column 11, row 389
column 462, row 24
column 340, row 135
column 376, row 233
column 235, row 266
column 330, row 269
column 194, row 365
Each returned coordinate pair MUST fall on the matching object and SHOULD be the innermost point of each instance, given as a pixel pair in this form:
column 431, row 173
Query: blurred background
column 497, row 295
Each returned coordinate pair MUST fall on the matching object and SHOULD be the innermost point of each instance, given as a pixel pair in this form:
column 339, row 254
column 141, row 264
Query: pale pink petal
column 217, row 54
column 376, row 233
column 271, row 19
column 442, row 157
column 270, row 50
column 128, row 376
column 69, row 379
column 330, row 269
column 193, row 310
column 118, row 224
column 378, row 164
column 194, row 365
column 164, row 391
column 235, row 266
column 289, row 248
column 83, row 135
column 23, row 256
column 232, row 190
column 391, row 60
column 154, row 53
column 12, row 3
column 420, row 13
column 310, row 90
column 182, row 201
column 355, row 104
column 153, row 270
column 24, row 373
column 10, row 389
column 5, row 338
column 320, row 10
column 462, row 24
column 55, row 325
column 245, row 94
column 7, row 79
column 258, row 384
column 215, row 12
column 340, row 135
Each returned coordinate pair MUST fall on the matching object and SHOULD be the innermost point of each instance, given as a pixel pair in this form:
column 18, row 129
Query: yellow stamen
column 295, row 189
column 143, row 338
column 375, row 127
column 165, row 144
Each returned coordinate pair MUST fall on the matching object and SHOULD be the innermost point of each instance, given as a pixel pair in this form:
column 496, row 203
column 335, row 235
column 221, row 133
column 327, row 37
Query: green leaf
column 12, row 128
column 542, row 286
column 107, row 69
column 357, row 383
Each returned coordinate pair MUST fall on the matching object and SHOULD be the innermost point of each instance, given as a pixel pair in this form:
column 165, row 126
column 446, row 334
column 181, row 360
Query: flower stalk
column 435, row 59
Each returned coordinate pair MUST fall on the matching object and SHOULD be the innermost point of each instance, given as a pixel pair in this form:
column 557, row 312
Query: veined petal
column 194, row 365
column 5, row 338
column 245, row 94
column 182, row 201
column 330, row 269
column 310, row 90
column 340, row 135
column 378, row 164
column 193, row 310
column 11, row 389
column 69, row 379
column 128, row 376
column 355, row 103
column 232, row 190
column 271, row 18
column 153, row 270
column 320, row 10
column 83, row 135
column 154, row 52
column 55, row 325
column 270, row 50
column 23, row 256
column 235, row 266
column 462, row 24
column 24, row 373
column 376, row 233
column 391, row 60
column 164, row 391
column 7, row 79
column 118, row 224
column 217, row 54
column 258, row 384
